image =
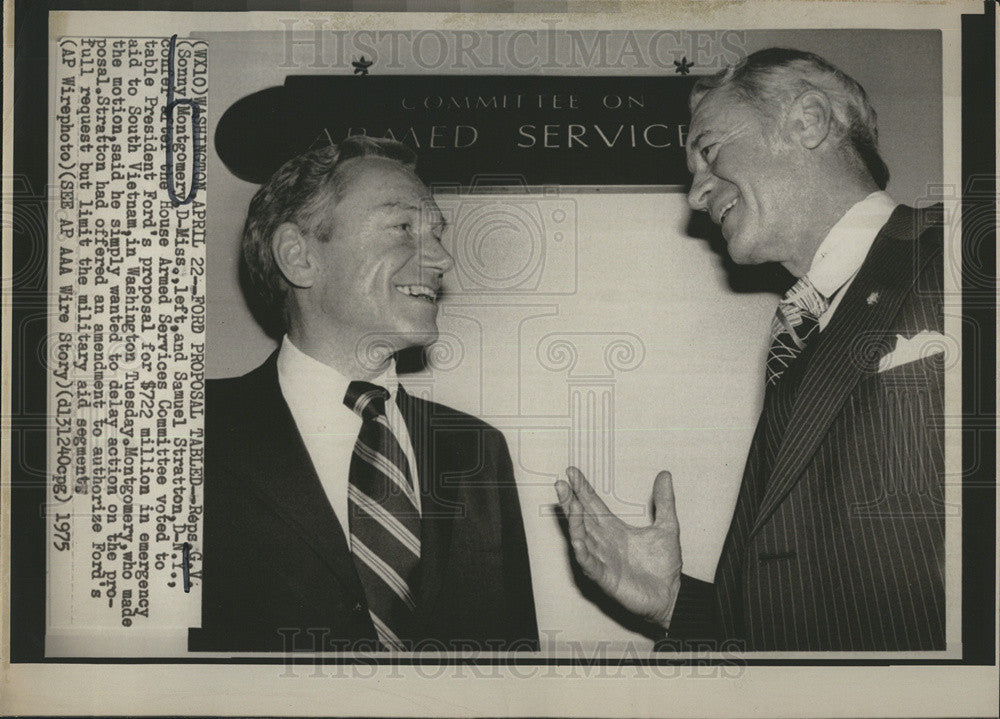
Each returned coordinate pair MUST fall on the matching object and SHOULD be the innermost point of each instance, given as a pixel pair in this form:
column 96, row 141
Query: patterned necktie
column 384, row 519
column 795, row 321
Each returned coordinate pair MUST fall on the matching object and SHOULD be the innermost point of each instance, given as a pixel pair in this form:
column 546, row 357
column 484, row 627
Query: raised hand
column 640, row 567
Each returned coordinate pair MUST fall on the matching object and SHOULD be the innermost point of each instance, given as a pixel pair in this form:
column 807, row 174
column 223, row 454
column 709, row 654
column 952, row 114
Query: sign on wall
column 581, row 131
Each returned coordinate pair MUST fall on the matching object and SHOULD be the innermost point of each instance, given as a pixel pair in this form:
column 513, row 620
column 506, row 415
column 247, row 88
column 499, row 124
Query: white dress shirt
column 315, row 395
column 845, row 247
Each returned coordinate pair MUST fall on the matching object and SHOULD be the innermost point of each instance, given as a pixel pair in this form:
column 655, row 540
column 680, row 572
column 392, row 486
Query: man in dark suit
column 837, row 539
column 342, row 513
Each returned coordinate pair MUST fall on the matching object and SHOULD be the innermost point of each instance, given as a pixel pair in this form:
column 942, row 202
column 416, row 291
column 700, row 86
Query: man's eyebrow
column 441, row 222
column 396, row 205
column 693, row 144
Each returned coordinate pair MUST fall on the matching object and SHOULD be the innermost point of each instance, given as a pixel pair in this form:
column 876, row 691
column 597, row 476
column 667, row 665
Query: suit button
column 359, row 607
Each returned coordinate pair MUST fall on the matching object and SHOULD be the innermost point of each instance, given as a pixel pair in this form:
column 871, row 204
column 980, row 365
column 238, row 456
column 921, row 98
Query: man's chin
column 418, row 336
column 742, row 253
column 737, row 254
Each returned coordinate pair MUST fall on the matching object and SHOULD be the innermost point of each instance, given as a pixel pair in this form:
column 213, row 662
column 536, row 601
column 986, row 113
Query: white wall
column 683, row 388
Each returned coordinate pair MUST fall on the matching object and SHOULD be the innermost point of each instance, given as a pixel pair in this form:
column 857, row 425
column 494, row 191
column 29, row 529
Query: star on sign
column 361, row 65
column 683, row 66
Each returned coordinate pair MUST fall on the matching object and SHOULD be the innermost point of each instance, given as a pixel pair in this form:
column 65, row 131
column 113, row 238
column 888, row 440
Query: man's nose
column 701, row 189
column 434, row 257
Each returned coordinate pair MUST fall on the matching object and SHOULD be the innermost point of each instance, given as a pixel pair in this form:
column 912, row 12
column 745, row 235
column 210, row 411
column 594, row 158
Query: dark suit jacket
column 277, row 570
column 837, row 539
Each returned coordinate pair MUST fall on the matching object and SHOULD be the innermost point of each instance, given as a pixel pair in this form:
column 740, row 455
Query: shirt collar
column 307, row 376
column 845, row 247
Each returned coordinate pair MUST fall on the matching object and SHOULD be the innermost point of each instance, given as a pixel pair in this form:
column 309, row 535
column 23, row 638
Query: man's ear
column 810, row 118
column 293, row 255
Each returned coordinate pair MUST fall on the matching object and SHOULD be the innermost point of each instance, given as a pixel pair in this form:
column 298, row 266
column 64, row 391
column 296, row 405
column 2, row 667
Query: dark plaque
column 585, row 131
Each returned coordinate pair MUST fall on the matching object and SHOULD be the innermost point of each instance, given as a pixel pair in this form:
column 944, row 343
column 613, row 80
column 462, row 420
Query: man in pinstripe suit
column 837, row 539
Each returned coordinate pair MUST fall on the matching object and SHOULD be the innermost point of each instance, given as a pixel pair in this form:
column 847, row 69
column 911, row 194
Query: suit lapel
column 846, row 350
column 439, row 506
column 282, row 474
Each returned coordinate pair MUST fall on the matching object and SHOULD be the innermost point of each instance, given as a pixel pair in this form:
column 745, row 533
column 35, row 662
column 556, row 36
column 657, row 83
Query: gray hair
column 300, row 192
column 771, row 79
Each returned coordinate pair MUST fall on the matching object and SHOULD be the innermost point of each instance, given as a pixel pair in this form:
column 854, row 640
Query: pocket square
column 910, row 349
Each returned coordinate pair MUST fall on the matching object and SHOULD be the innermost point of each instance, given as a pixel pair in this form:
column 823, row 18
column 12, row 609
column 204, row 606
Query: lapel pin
column 872, row 298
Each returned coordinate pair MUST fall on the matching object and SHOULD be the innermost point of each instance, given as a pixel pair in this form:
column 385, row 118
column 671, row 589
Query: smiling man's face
column 382, row 262
column 743, row 178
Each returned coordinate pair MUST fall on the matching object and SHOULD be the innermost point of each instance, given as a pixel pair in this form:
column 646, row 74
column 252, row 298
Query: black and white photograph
column 510, row 361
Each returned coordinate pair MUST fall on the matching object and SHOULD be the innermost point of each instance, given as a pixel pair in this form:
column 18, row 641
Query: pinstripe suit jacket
column 837, row 539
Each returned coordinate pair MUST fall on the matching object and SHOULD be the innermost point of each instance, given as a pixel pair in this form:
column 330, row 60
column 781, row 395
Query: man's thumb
column 663, row 499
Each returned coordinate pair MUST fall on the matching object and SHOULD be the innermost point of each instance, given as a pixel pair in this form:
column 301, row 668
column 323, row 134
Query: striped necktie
column 795, row 321
column 384, row 519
